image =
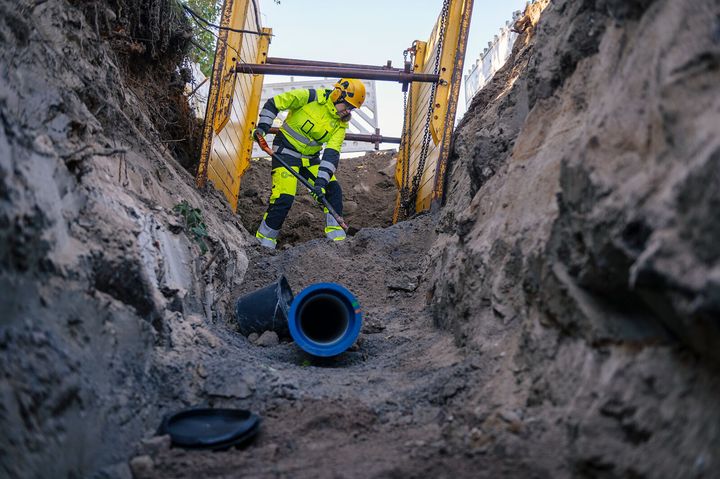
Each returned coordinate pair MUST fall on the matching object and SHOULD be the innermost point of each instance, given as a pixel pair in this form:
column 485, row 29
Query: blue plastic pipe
column 325, row 319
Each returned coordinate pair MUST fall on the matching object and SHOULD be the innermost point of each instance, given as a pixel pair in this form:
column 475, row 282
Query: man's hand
column 262, row 129
column 258, row 135
column 318, row 192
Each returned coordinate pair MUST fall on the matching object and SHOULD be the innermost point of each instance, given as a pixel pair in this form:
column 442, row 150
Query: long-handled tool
column 322, row 200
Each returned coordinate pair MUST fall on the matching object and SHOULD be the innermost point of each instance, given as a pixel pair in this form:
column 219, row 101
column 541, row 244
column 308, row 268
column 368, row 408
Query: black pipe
column 320, row 71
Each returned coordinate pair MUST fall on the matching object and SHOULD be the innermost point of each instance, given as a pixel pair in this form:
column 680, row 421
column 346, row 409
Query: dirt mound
column 368, row 194
column 385, row 408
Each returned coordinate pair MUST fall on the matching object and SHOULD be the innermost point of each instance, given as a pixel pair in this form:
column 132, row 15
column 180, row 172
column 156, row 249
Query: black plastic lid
column 207, row 428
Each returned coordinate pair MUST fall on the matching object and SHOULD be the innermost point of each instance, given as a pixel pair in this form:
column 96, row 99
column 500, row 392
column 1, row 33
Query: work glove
column 258, row 135
column 318, row 191
column 259, row 131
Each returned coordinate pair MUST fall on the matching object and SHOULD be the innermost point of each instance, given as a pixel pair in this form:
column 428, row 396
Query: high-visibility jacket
column 311, row 122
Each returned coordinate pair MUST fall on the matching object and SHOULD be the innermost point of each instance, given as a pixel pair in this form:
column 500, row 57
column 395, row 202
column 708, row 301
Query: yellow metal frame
column 444, row 104
column 233, row 101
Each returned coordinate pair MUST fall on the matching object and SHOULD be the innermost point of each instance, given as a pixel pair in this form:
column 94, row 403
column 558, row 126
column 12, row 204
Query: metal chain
column 406, row 137
column 409, row 204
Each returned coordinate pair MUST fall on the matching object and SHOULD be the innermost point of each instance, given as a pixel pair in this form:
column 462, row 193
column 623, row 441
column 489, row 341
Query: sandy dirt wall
column 578, row 240
column 96, row 267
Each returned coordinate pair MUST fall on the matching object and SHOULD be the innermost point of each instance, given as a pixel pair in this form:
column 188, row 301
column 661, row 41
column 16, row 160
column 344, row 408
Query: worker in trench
column 315, row 118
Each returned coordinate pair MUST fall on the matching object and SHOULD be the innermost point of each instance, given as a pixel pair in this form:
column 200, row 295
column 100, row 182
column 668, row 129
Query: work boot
column 267, row 236
column 333, row 230
column 266, row 242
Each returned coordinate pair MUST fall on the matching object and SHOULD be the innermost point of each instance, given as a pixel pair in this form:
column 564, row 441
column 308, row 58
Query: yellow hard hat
column 350, row 90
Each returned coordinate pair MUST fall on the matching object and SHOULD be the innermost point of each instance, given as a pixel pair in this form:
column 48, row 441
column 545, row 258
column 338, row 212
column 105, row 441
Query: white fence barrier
column 492, row 58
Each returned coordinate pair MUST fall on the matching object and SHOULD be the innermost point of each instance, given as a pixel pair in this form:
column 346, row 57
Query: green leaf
column 194, row 224
column 203, row 53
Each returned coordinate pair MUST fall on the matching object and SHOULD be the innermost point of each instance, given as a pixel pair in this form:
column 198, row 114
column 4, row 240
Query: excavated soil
column 556, row 318
column 368, row 198
column 388, row 399
column 395, row 405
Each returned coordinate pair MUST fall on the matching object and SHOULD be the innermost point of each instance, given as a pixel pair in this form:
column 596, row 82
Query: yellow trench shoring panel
column 233, row 101
column 432, row 182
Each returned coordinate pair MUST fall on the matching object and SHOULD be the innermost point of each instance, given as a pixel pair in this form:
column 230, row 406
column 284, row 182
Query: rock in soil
column 268, row 339
column 142, row 467
column 155, row 444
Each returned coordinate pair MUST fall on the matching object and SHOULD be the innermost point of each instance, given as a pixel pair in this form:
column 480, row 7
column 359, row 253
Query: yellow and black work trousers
column 284, row 188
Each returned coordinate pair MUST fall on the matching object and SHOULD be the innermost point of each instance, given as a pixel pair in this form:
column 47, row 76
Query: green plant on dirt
column 194, row 224
column 203, row 49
